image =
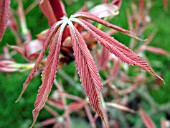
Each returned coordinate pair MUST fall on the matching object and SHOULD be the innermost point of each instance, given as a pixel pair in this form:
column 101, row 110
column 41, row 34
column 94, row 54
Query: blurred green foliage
column 16, row 115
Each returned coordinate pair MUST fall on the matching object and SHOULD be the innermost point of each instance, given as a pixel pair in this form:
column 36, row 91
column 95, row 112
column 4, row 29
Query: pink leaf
column 75, row 106
column 117, row 2
column 32, row 49
column 4, row 13
column 147, row 120
column 115, row 47
column 87, row 70
column 48, row 12
column 48, row 74
column 115, row 68
column 18, row 49
column 58, row 8
column 156, row 50
column 103, row 58
column 48, row 39
column 105, row 10
column 48, row 122
column 97, row 19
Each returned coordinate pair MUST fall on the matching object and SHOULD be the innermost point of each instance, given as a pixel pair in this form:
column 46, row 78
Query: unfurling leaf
column 87, row 70
column 47, row 11
column 147, row 120
column 4, row 13
column 105, row 10
column 117, row 2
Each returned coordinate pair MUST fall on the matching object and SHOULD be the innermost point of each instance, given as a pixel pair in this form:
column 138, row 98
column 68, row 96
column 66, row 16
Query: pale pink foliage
column 85, row 64
column 4, row 14
column 147, row 120
column 120, row 50
column 48, row 74
column 87, row 70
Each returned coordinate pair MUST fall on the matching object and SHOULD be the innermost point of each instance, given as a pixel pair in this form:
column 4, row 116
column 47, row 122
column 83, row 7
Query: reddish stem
column 58, row 8
column 59, row 12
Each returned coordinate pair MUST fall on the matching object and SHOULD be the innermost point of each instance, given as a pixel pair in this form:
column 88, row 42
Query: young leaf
column 147, row 120
column 4, row 13
column 48, row 11
column 156, row 50
column 75, row 106
column 115, row 47
column 103, row 58
column 48, row 73
column 117, row 2
column 105, row 10
column 47, row 41
column 87, row 70
column 97, row 19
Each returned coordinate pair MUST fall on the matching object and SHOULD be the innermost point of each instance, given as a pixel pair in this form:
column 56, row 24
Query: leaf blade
column 48, row 75
column 87, row 70
column 99, row 20
column 115, row 47
column 4, row 14
column 40, row 57
column 147, row 120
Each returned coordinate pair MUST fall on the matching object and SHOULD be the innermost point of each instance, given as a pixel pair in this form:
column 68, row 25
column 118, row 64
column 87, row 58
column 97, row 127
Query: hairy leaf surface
column 45, row 45
column 99, row 20
column 4, row 13
column 115, row 47
column 48, row 74
column 87, row 70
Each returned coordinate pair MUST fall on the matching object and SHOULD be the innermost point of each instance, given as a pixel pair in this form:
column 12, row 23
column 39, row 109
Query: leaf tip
column 133, row 35
column 160, row 78
column 22, row 92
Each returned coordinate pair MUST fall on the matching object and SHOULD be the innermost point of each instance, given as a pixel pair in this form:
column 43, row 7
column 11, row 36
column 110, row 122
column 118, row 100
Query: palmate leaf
column 45, row 45
column 49, row 72
column 87, row 70
column 47, row 77
column 4, row 13
column 115, row 47
column 85, row 64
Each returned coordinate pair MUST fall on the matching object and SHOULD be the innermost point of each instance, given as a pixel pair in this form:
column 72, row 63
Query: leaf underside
column 92, row 17
column 40, row 57
column 4, row 14
column 121, row 51
column 87, row 70
column 48, row 74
